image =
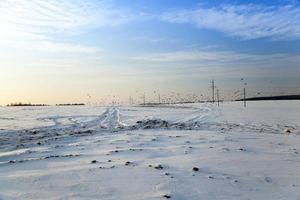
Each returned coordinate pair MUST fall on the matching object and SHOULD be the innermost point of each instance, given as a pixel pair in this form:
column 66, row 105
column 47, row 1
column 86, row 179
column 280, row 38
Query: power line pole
column 244, row 92
column 131, row 100
column 244, row 97
column 218, row 97
column 158, row 98
column 213, row 90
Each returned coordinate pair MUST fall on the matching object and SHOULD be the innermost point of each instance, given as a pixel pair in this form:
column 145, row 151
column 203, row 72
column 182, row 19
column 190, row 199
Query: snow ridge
column 111, row 119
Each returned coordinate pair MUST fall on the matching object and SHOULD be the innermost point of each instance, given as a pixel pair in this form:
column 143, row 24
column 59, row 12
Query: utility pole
column 158, row 98
column 218, row 97
column 213, row 91
column 144, row 97
column 131, row 100
column 244, row 97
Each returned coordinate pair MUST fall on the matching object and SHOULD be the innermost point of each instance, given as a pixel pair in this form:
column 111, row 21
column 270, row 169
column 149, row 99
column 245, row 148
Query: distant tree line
column 71, row 104
column 30, row 104
column 24, row 104
column 281, row 97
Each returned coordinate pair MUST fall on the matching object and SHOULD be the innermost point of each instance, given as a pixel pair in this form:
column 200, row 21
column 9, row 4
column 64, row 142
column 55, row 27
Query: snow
column 148, row 152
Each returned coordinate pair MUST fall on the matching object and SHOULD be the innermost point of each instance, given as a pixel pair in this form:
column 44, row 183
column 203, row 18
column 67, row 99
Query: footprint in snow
column 159, row 167
column 268, row 179
column 242, row 149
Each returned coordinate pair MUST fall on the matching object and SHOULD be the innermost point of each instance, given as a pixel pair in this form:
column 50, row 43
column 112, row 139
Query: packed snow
column 181, row 151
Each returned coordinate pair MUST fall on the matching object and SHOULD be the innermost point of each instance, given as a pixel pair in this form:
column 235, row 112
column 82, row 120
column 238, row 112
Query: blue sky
column 58, row 51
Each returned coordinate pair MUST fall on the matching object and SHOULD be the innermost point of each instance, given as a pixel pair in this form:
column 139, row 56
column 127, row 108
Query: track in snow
column 195, row 117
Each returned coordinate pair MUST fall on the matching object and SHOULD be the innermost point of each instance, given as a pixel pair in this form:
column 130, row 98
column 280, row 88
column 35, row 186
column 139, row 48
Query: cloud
column 42, row 23
column 224, row 59
column 67, row 17
column 185, row 56
column 280, row 22
column 215, row 64
column 60, row 47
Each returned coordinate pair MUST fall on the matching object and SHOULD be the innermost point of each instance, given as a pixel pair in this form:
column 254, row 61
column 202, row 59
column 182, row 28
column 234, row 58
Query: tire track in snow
column 202, row 117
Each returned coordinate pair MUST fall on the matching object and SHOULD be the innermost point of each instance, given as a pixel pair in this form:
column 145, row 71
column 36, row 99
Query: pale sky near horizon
column 63, row 51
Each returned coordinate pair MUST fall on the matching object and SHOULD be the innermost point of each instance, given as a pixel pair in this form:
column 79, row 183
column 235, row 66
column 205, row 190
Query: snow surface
column 186, row 151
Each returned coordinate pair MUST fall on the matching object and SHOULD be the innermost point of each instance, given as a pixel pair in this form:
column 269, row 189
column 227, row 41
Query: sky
column 66, row 51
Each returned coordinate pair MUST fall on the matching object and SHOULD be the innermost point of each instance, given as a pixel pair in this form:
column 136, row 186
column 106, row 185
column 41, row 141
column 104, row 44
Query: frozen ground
column 191, row 151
